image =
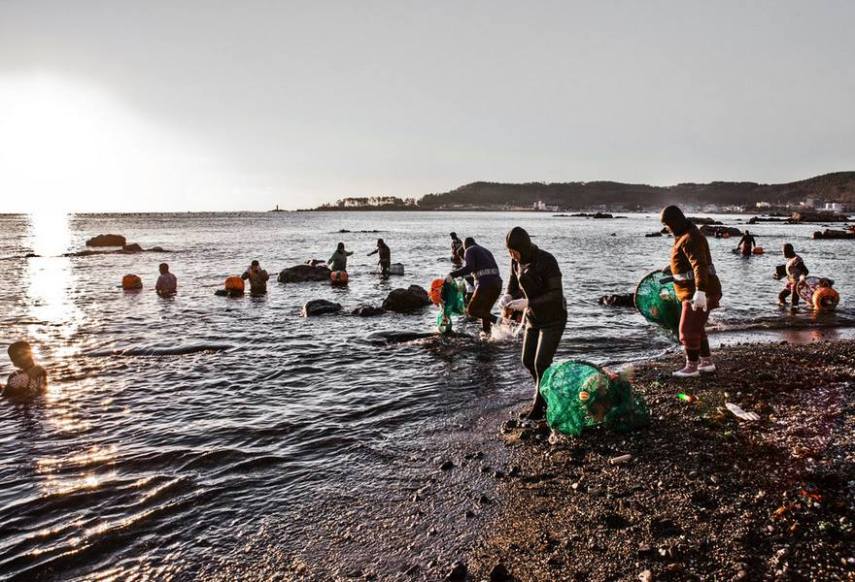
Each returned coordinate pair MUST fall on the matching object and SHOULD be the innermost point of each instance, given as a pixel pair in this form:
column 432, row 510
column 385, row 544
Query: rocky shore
column 705, row 495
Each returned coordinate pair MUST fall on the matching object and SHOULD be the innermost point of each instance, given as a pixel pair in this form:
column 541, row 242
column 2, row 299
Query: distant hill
column 836, row 187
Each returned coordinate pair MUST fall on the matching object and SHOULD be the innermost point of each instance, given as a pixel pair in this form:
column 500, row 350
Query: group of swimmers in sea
column 534, row 296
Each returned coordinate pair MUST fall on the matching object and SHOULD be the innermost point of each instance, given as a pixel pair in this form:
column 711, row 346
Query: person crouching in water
column 30, row 379
column 385, row 256
column 796, row 272
column 535, row 288
column 257, row 279
column 481, row 265
column 698, row 288
column 338, row 260
column 167, row 283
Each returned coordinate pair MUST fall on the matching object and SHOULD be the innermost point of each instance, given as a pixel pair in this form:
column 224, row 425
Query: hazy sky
column 207, row 105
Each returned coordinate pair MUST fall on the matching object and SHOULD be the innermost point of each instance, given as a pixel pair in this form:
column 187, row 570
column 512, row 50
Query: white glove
column 449, row 279
column 699, row 301
column 503, row 302
column 802, row 278
column 517, row 304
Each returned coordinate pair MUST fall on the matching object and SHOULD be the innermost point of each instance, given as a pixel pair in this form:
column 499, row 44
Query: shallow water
column 177, row 433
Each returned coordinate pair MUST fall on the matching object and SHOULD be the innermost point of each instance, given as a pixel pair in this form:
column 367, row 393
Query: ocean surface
column 201, row 435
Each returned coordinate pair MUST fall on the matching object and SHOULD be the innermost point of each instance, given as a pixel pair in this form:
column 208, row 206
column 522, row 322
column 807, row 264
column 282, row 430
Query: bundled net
column 807, row 288
column 579, row 395
column 657, row 301
column 451, row 300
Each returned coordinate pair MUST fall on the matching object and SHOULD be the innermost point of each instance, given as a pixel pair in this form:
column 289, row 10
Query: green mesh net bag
column 580, row 395
column 657, row 301
column 453, row 303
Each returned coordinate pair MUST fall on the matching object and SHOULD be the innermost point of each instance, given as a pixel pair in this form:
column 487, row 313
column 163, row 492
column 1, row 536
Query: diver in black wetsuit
column 535, row 288
column 385, row 257
column 746, row 244
column 456, row 249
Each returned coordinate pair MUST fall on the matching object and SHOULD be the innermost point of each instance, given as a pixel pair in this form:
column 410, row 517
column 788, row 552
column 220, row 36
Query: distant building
column 763, row 205
column 542, row 206
column 835, row 207
column 809, row 203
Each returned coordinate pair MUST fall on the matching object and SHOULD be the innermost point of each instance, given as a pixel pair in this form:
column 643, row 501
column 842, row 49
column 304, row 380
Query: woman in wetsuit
column 535, row 288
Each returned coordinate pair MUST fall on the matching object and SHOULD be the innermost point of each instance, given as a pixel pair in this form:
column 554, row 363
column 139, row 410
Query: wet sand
column 705, row 495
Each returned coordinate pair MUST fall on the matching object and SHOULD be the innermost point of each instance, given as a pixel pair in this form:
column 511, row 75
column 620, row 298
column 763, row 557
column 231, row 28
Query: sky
column 224, row 105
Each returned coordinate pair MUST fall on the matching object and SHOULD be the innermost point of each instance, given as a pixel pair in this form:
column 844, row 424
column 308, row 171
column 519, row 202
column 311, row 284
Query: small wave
column 150, row 351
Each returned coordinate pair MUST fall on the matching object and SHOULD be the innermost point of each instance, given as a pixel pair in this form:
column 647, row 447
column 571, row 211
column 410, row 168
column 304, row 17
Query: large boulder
column 720, row 231
column 304, row 273
column 320, row 307
column 406, row 300
column 833, row 234
column 107, row 240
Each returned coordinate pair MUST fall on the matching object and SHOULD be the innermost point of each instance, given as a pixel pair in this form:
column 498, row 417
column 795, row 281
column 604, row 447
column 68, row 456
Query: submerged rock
column 107, row 240
column 406, row 300
column 132, row 248
column 368, row 311
column 303, row 274
column 320, row 307
column 618, row 300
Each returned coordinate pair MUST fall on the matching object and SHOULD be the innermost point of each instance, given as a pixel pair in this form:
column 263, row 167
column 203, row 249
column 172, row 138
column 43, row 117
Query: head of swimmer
column 340, row 247
column 21, row 355
column 164, row 268
column 674, row 220
column 519, row 244
column 254, row 266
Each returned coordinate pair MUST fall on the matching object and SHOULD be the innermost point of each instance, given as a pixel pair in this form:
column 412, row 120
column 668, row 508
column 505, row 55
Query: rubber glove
column 699, row 301
column 506, row 298
column 517, row 304
column 802, row 278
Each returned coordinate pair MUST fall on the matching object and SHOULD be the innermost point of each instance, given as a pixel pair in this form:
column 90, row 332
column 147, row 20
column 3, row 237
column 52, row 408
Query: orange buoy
column 234, row 285
column 131, row 282
column 825, row 299
column 435, row 293
column 338, row 277
column 758, row 250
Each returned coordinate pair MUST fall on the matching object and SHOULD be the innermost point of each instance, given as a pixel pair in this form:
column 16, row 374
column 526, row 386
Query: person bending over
column 29, row 379
column 482, row 267
column 698, row 288
column 535, row 288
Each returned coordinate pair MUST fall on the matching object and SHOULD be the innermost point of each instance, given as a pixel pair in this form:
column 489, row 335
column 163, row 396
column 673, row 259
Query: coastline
column 706, row 495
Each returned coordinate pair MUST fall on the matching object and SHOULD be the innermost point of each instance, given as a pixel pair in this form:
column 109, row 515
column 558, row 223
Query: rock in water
column 107, row 240
column 618, row 300
column 368, row 311
column 406, row 300
column 132, row 248
column 320, row 307
column 304, row 273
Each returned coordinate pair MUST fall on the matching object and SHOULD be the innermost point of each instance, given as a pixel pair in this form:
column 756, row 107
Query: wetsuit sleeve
column 348, row 253
column 553, row 290
column 245, row 275
column 693, row 250
column 374, row 252
column 265, row 275
column 513, row 283
column 469, row 257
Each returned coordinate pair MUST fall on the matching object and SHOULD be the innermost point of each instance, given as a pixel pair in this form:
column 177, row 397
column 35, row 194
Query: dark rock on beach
column 406, row 300
column 320, row 307
column 303, row 274
column 107, row 240
column 618, row 300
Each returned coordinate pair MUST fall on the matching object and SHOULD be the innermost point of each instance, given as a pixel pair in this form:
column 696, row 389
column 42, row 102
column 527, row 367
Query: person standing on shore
column 797, row 271
column 535, row 288
column 456, row 249
column 698, row 288
column 338, row 260
column 385, row 256
column 480, row 265
column 746, row 244
column 257, row 279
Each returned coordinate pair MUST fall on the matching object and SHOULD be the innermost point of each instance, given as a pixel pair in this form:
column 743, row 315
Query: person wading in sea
column 257, row 279
column 796, row 271
column 338, row 260
column 480, row 265
column 697, row 287
column 385, row 257
column 456, row 249
column 535, row 288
